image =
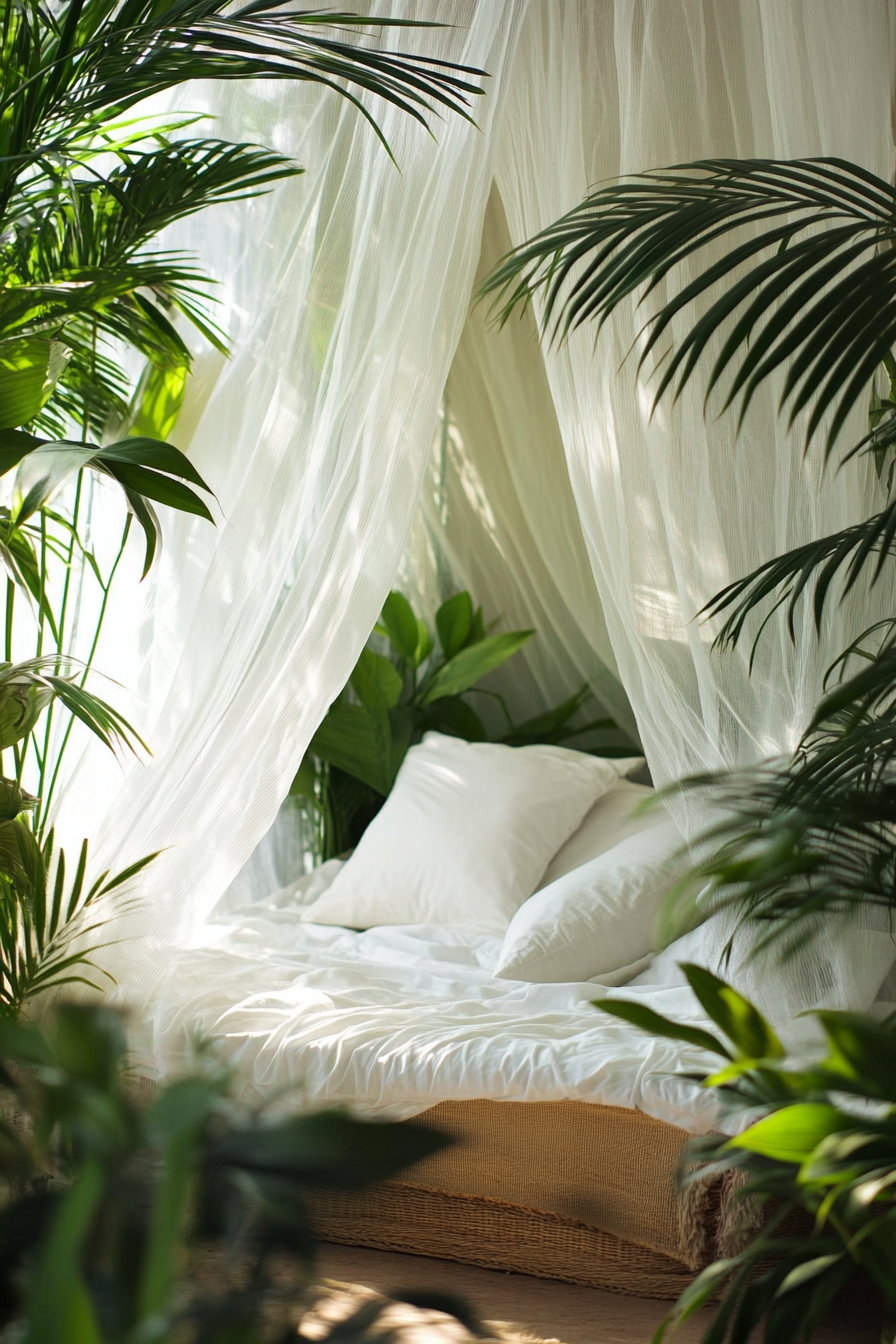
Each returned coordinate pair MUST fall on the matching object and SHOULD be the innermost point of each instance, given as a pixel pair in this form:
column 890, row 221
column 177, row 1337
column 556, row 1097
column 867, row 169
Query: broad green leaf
column 424, row 643
column 743, row 1024
column 376, row 682
column 656, row 1025
column 401, row 624
column 29, row 366
column 473, row 663
column 158, row 400
column 44, row 471
column 14, row 445
column 21, row 705
column 328, row 1149
column 455, row 717
column 793, row 1133
column 404, row 721
column 862, row 1051
column 358, row 741
column 152, row 453
column 453, row 621
column 305, row 779
column 157, row 486
column 477, row 628
column 59, row 1308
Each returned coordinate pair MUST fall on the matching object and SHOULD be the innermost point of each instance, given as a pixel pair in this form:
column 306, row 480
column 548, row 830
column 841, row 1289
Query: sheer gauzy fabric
column 497, row 515
column 345, row 292
column 675, row 506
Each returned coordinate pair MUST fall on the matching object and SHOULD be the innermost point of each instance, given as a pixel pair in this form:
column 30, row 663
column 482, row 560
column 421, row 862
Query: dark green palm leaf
column 822, row 304
column 788, row 576
column 92, row 63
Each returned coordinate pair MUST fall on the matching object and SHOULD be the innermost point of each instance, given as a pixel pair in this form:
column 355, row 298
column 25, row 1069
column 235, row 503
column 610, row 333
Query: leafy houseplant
column 392, row 699
column 86, row 187
column 114, row 1206
column 822, row 1151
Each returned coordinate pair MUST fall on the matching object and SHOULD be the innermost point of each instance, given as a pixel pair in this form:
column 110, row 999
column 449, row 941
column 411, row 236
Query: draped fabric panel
column 675, row 505
column 345, row 292
column 497, row 516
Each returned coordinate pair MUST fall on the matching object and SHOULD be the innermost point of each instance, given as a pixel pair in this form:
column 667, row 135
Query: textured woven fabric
column 560, row 1190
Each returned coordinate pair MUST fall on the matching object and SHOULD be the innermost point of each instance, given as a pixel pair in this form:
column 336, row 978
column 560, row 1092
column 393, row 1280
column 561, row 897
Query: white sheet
column 393, row 1020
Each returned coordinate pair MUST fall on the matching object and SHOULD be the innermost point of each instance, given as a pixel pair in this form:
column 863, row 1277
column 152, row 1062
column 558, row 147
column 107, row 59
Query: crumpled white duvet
column 396, row 1019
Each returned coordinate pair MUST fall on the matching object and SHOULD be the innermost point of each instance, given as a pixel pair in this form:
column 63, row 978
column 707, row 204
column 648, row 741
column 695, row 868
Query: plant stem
column 90, row 657
column 18, row 756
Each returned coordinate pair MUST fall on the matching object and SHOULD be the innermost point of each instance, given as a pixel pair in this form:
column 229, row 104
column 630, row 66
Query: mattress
column 395, row 1020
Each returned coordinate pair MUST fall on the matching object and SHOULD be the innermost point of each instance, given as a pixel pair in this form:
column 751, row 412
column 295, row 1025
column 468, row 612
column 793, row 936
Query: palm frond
column 48, row 927
column 788, row 577
column 793, row 849
column 28, row 687
column 84, row 65
column 819, row 298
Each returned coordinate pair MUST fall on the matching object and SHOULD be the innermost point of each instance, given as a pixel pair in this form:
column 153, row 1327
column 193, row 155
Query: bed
column 568, row 1123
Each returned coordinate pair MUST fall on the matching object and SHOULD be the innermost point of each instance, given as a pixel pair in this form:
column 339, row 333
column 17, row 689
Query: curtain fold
column 674, row 504
column 497, row 515
column 345, row 292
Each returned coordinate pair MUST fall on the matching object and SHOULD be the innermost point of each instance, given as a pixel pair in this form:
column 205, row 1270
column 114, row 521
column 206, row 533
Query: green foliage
column 820, row 1157
column 112, row 1202
column 44, row 923
column 819, row 305
column 392, row 699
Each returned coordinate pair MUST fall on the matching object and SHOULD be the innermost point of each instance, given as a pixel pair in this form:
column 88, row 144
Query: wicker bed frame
column 562, row 1190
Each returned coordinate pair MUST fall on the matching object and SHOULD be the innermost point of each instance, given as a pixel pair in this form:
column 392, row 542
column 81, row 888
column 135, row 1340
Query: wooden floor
column 537, row 1309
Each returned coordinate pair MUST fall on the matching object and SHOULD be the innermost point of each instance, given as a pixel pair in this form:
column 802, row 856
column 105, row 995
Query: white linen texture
column 597, row 919
column 465, row 835
column 613, row 817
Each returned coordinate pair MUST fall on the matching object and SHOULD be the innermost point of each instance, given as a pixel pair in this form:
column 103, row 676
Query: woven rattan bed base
column 399, row 1216
column 561, row 1190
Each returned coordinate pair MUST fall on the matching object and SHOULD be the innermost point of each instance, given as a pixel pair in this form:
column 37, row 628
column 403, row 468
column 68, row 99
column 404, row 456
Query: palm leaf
column 41, row 918
column 787, row 577
column 87, row 64
column 819, row 298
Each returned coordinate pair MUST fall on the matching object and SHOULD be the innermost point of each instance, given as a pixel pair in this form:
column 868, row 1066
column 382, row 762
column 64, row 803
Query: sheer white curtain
column 674, row 507
column 345, row 292
column 497, row 515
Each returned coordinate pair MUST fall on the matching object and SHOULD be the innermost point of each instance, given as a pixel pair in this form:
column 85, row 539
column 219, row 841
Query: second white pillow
column 464, row 836
column 597, row 918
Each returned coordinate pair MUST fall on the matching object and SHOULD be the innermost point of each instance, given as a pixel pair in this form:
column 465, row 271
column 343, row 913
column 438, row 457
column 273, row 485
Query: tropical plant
column 815, row 1149
column 420, row 684
column 167, row 1219
column 807, row 290
column 86, row 186
column 39, row 918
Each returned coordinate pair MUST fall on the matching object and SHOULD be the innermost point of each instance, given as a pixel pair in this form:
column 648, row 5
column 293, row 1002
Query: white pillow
column 596, row 919
column 609, row 821
column 464, row 836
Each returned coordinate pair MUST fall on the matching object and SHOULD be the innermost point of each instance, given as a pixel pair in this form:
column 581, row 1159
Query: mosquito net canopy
column 372, row 424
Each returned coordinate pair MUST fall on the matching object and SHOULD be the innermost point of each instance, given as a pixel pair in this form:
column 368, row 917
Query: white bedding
column 395, row 1019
